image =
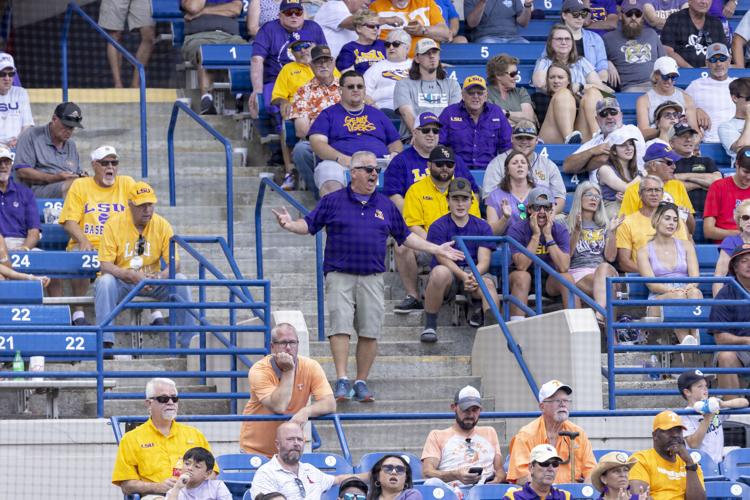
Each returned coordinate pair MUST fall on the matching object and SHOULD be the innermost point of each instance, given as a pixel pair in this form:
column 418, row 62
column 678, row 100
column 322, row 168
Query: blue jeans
column 304, row 160
column 501, row 39
column 109, row 291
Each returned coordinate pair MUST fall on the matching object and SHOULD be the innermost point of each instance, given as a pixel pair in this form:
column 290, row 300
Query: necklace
column 355, row 113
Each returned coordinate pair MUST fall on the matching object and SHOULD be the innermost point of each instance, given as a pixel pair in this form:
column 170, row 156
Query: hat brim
column 524, row 134
column 431, row 122
column 469, row 403
column 483, row 87
column 603, row 467
column 685, row 131
column 142, row 201
column 734, row 257
column 71, row 123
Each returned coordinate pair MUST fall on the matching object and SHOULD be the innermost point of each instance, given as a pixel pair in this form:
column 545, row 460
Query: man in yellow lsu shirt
column 149, row 455
column 89, row 203
column 131, row 249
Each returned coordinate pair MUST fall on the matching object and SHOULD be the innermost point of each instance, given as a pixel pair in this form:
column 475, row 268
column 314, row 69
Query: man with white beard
column 149, row 454
column 88, row 205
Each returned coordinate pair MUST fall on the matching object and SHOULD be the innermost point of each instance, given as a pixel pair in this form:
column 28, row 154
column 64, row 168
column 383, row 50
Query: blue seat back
column 368, row 460
column 736, row 463
column 226, row 55
column 435, row 492
column 490, row 491
column 34, row 315
column 21, row 292
column 330, row 463
column 57, row 264
column 579, row 491
column 726, row 490
column 708, row 466
column 237, row 471
column 479, row 53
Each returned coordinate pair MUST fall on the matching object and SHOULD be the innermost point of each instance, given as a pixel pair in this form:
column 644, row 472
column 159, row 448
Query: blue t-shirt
column 408, row 167
column 521, row 232
column 365, row 130
column 733, row 314
column 360, row 56
column 445, row 228
column 272, row 43
column 447, row 9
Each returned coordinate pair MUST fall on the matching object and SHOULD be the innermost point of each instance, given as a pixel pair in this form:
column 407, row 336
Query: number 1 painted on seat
column 233, row 51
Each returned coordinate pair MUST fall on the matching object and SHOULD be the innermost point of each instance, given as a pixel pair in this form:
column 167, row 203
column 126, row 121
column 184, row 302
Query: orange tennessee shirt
column 535, row 433
column 309, row 380
column 425, row 12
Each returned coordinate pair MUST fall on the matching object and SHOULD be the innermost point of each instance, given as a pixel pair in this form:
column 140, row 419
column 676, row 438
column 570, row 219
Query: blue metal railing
column 612, row 326
column 179, row 105
column 267, row 183
column 73, row 7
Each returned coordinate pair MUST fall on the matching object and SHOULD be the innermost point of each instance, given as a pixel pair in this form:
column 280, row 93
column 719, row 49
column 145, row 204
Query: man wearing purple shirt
column 477, row 130
column 358, row 221
column 271, row 48
column 344, row 128
column 547, row 239
column 19, row 217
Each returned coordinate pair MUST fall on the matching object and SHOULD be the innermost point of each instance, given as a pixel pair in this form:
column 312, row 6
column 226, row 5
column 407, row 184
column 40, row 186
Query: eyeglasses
column 165, row 399
column 541, row 208
column 430, row 130
column 358, row 86
column 549, row 463
column 634, row 13
column 7, row 74
column 294, row 13
column 285, row 343
column 593, row 196
column 581, row 14
column 371, row 26
column 301, row 46
column 672, row 76
column 353, row 496
column 608, row 112
column 106, row 163
column 559, row 401
column 395, row 45
column 713, row 59
column 140, row 245
column 368, row 169
column 390, row 469
column 300, row 487
column 562, row 39
column 676, row 115
column 666, row 162
column 512, row 74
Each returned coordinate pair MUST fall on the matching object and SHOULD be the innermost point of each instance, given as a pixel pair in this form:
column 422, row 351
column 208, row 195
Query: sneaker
column 429, row 336
column 476, row 317
column 574, row 137
column 344, row 391
column 80, row 322
column 159, row 322
column 362, row 393
column 289, row 183
column 207, row 106
column 409, row 304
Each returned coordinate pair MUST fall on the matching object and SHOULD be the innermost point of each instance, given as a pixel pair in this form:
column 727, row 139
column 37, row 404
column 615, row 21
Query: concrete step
column 406, row 406
column 645, row 401
column 187, row 406
column 407, row 366
column 399, row 347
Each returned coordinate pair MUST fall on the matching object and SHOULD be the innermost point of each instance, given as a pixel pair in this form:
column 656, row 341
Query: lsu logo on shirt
column 11, row 106
column 104, row 210
column 395, row 74
column 358, row 124
column 379, row 214
column 371, row 56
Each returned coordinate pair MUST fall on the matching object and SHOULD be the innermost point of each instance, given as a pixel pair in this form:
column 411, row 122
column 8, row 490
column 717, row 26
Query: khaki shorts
column 347, row 294
column 192, row 44
column 113, row 13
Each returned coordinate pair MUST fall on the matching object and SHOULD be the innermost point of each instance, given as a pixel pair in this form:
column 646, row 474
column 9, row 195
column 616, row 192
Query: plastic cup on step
column 36, row 364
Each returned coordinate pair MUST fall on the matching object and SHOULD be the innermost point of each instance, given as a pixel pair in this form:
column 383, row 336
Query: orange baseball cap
column 667, row 420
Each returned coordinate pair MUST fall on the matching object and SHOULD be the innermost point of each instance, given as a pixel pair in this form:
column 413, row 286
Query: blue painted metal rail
column 179, row 105
column 267, row 183
column 74, row 8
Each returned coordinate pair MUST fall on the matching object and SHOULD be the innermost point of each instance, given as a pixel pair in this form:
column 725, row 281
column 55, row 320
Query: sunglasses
column 368, row 169
column 301, row 46
column 395, row 45
column 443, row 164
column 140, row 245
column 522, row 211
column 512, row 74
column 390, row 469
column 744, row 218
column 294, row 13
column 358, row 86
column 7, row 74
column 608, row 112
column 541, row 208
column 581, row 14
column 106, row 163
column 430, row 130
column 712, row 59
column 549, row 463
column 300, row 487
column 668, row 163
column 354, row 496
column 634, row 13
column 165, row 399
column 671, row 115
column 672, row 77
column 371, row 26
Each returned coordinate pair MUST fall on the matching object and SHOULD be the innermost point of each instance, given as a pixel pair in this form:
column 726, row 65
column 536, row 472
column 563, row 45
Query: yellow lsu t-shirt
column 119, row 243
column 90, row 205
column 667, row 480
column 425, row 12
column 424, row 204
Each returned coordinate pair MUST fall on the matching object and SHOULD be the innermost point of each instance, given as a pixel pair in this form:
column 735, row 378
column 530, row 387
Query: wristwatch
column 692, row 467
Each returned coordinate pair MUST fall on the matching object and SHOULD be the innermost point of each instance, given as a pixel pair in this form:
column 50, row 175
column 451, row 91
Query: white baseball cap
column 551, row 387
column 467, row 397
column 103, row 152
column 666, row 66
column 6, row 153
column 6, row 61
column 543, row 452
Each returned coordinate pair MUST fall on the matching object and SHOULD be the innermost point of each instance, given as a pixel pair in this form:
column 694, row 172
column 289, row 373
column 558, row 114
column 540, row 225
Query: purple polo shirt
column 18, row 211
column 520, row 230
column 476, row 143
column 408, row 167
column 366, row 130
column 527, row 493
column 444, row 229
column 356, row 232
column 272, row 43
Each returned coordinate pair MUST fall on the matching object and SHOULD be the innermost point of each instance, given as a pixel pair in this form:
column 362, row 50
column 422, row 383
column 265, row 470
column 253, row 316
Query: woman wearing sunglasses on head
column 390, row 479
column 367, row 49
column 502, row 76
column 663, row 89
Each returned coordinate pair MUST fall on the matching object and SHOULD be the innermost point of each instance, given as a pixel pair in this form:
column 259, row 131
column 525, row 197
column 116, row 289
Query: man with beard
column 88, row 205
column 632, row 48
column 148, row 455
column 667, row 470
column 542, row 469
column 593, row 154
column 555, row 403
column 689, row 32
column 711, row 93
column 463, row 454
column 285, row 474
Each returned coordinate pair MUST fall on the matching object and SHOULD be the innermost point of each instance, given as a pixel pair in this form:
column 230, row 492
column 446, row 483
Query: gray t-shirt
column 425, row 95
column 36, row 150
column 589, row 250
column 634, row 59
column 729, row 132
column 498, row 19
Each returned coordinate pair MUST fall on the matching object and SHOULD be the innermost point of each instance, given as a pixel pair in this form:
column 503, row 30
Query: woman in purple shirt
column 508, row 201
column 726, row 247
column 366, row 50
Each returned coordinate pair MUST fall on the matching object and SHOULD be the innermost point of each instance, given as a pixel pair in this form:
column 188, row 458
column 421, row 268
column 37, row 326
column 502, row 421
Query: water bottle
column 710, row 405
column 653, row 362
column 18, row 365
